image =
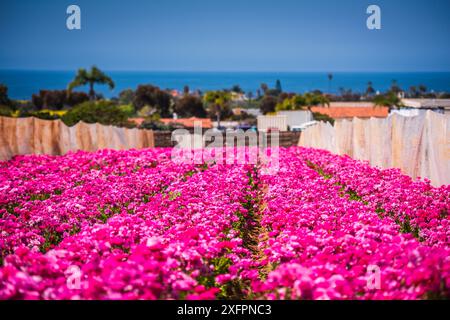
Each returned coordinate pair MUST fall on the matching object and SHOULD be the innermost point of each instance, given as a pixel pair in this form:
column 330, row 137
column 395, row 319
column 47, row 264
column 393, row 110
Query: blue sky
column 232, row 35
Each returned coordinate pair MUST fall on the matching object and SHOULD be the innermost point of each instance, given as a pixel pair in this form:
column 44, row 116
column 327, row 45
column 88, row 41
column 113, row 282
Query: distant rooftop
column 190, row 122
column 350, row 104
column 340, row 112
column 427, row 103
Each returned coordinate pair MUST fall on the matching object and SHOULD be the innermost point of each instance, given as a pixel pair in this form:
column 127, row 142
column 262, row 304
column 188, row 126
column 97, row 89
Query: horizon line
column 228, row 71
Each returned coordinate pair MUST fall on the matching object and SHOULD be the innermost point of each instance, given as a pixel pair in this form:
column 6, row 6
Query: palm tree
column 330, row 78
column 395, row 88
column 413, row 91
column 370, row 90
column 423, row 89
column 91, row 77
column 390, row 100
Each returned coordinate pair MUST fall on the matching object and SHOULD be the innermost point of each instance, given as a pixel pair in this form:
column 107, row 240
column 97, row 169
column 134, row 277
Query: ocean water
column 22, row 84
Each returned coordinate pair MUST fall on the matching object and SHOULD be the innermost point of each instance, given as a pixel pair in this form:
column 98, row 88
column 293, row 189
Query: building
column 238, row 97
column 296, row 118
column 415, row 107
column 253, row 111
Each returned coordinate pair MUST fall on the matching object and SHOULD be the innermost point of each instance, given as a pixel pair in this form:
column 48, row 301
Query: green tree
column 390, row 100
column 299, row 102
column 190, row 106
column 237, row 88
column 126, row 96
column 154, row 97
column 90, row 78
column 395, row 88
column 296, row 102
column 268, row 104
column 218, row 103
column 315, row 99
column 423, row 89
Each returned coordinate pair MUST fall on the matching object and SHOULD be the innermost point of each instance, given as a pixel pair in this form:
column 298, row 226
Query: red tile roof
column 189, row 122
column 137, row 121
column 350, row 112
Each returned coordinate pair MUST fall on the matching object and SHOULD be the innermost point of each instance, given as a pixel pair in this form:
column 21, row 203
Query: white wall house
column 278, row 122
column 296, row 118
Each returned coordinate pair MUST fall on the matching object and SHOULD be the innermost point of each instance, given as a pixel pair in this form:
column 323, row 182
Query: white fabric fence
column 20, row 136
column 419, row 146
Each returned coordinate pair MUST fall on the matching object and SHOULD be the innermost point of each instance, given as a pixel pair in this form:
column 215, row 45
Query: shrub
column 148, row 95
column 128, row 109
column 46, row 115
column 103, row 112
column 218, row 103
column 190, row 106
column 389, row 100
column 268, row 104
column 76, row 98
column 5, row 111
column 49, row 99
column 323, row 117
column 126, row 96
column 57, row 99
column 4, row 99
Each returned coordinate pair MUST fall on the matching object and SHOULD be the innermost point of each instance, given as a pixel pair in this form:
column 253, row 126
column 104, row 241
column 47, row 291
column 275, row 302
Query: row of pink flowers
column 179, row 243
column 321, row 244
column 416, row 205
column 43, row 199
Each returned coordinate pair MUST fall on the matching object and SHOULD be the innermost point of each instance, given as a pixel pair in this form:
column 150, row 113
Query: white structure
column 296, row 118
column 415, row 107
column 278, row 122
column 238, row 97
column 408, row 112
column 253, row 111
column 419, row 146
column 304, row 126
column 226, row 124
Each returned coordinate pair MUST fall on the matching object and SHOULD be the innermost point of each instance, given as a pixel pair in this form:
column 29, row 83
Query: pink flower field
column 137, row 225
